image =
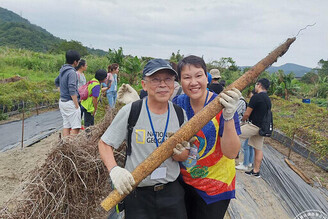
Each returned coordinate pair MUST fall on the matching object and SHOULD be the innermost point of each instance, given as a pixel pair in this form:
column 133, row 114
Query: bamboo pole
column 195, row 124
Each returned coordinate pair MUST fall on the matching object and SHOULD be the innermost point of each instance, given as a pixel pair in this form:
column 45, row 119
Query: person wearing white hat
column 215, row 86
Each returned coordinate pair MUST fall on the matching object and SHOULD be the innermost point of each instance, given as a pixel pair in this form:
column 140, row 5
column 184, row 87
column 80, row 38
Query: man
column 215, row 86
column 69, row 107
column 158, row 195
column 257, row 108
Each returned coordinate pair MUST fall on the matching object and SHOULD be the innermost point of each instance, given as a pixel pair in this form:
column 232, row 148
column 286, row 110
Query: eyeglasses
column 158, row 81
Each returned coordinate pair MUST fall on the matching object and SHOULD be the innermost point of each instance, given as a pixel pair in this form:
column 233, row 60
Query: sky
column 244, row 30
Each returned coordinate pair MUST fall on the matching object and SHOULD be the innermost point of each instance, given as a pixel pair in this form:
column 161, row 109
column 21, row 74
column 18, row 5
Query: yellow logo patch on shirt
column 140, row 136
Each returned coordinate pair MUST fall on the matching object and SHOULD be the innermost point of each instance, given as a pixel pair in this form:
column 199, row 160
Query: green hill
column 18, row 32
column 9, row 16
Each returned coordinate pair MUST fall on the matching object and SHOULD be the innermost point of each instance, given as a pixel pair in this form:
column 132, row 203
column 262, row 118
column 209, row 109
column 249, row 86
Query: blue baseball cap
column 155, row 65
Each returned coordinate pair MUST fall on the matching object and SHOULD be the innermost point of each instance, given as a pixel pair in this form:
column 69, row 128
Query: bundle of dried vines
column 71, row 182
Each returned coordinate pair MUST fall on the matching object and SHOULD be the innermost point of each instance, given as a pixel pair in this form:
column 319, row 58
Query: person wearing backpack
column 67, row 82
column 89, row 105
column 159, row 195
column 256, row 111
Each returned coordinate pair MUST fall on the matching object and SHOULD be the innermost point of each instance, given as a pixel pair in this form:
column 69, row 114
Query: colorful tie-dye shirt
column 207, row 170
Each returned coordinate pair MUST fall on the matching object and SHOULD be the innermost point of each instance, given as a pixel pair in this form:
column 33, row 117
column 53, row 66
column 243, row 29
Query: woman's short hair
column 191, row 60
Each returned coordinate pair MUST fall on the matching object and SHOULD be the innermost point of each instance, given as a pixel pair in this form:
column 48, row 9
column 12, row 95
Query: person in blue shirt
column 111, row 91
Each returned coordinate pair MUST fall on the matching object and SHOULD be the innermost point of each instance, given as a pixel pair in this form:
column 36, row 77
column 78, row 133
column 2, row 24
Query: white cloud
column 243, row 30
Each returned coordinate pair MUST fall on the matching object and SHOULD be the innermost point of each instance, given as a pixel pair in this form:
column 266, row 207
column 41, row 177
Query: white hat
column 215, row 73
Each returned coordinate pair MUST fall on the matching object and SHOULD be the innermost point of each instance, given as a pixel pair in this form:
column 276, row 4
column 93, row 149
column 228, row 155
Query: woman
column 80, row 68
column 81, row 80
column 112, row 84
column 208, row 175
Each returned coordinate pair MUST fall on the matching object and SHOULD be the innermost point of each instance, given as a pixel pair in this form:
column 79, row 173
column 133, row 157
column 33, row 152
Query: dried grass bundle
column 70, row 184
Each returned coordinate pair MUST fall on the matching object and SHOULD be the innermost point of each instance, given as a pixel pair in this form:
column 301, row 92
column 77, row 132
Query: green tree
column 274, row 83
column 310, row 78
column 132, row 68
column 69, row 45
column 114, row 56
column 146, row 59
column 228, row 63
column 323, row 70
column 214, row 64
column 287, row 84
column 176, row 57
column 321, row 87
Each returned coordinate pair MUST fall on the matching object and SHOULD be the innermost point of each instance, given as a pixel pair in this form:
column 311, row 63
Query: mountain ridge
column 18, row 32
column 298, row 70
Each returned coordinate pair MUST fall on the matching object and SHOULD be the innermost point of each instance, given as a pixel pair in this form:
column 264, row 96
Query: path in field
column 279, row 193
column 35, row 128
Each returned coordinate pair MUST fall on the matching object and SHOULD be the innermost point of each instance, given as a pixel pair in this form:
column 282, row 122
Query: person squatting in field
column 208, row 175
column 159, row 195
column 90, row 105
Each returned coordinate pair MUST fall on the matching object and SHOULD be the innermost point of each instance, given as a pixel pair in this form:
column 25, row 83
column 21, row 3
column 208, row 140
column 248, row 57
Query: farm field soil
column 15, row 165
column 306, row 166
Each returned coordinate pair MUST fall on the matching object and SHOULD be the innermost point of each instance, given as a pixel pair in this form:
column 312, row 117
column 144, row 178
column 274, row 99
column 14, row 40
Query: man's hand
column 230, row 99
column 185, row 145
column 122, row 179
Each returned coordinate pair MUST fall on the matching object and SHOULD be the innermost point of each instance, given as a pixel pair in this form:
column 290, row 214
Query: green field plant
column 306, row 121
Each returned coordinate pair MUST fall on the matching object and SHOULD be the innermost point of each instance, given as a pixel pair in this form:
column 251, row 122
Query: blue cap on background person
column 155, row 65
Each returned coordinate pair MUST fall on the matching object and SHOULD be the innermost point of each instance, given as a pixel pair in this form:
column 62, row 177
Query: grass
column 307, row 121
column 40, row 70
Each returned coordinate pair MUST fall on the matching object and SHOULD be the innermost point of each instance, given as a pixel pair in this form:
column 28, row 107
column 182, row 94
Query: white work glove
column 230, row 99
column 185, row 145
column 122, row 179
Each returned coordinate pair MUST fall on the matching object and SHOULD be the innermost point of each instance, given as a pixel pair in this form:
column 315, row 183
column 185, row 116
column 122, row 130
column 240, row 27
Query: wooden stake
column 195, row 124
column 291, row 146
column 299, row 172
column 37, row 109
column 22, row 143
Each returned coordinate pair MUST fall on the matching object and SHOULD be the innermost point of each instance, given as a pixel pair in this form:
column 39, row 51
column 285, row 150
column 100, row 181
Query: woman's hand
column 230, row 99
